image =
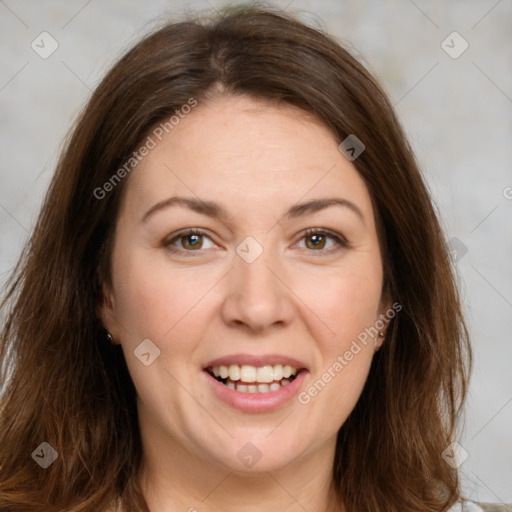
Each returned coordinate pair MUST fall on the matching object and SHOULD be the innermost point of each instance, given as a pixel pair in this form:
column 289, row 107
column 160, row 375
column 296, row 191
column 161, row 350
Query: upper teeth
column 248, row 373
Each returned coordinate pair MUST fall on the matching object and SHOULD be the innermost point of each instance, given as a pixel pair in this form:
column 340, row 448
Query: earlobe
column 379, row 341
column 386, row 313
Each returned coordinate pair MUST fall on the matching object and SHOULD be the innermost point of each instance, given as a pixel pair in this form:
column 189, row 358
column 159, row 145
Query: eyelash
column 338, row 239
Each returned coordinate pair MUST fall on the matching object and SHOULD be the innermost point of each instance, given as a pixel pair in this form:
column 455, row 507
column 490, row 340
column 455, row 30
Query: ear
column 385, row 314
column 105, row 309
column 386, row 311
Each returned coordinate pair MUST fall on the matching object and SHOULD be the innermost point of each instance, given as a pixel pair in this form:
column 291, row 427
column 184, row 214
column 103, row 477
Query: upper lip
column 256, row 360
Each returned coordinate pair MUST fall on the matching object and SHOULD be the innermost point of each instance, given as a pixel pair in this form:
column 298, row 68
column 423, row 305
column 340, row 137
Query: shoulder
column 493, row 507
column 471, row 506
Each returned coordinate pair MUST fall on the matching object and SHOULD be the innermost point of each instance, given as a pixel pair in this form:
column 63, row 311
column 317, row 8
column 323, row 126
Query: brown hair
column 63, row 384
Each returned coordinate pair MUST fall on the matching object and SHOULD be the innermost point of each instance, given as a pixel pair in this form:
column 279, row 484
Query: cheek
column 345, row 299
column 150, row 298
column 347, row 303
column 356, row 304
column 166, row 306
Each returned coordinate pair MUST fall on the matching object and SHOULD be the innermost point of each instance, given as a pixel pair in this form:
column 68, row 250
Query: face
column 245, row 270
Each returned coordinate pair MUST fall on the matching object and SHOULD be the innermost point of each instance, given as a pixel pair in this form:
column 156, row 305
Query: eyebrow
column 212, row 209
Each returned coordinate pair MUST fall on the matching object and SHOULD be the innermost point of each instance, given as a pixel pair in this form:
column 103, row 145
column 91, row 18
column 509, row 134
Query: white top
column 469, row 506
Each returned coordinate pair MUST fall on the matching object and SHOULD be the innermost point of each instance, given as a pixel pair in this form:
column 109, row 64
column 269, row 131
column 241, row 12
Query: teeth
column 247, row 373
column 256, row 388
column 288, row 371
column 251, row 374
column 265, row 374
column 234, row 372
column 278, row 372
column 251, row 379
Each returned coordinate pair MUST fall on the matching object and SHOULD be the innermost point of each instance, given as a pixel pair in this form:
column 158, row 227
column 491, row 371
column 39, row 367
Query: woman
column 237, row 295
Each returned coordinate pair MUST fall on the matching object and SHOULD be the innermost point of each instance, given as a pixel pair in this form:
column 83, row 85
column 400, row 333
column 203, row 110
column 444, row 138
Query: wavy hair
column 62, row 384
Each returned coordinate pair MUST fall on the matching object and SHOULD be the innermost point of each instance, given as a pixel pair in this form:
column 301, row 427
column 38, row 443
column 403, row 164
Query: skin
column 299, row 298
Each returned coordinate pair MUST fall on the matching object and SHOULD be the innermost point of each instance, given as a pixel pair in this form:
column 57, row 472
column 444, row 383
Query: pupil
column 192, row 241
column 317, row 241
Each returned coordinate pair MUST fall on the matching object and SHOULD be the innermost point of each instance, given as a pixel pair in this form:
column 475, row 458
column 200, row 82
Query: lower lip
column 256, row 402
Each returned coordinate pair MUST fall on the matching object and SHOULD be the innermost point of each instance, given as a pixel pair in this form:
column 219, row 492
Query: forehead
column 250, row 153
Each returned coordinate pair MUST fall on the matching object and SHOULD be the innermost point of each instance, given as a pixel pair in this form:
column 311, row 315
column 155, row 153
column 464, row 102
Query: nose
column 257, row 297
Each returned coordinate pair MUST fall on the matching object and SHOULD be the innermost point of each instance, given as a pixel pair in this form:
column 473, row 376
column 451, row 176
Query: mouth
column 255, row 383
column 246, row 378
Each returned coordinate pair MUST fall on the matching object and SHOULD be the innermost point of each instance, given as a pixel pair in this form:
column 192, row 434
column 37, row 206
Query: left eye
column 320, row 240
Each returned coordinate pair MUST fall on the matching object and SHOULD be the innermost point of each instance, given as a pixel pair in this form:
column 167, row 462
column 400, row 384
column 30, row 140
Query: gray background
column 457, row 112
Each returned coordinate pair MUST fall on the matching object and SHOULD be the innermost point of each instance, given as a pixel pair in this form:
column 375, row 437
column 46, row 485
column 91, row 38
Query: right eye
column 190, row 240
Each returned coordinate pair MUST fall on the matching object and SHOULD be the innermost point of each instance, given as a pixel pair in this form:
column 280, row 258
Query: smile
column 252, row 379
